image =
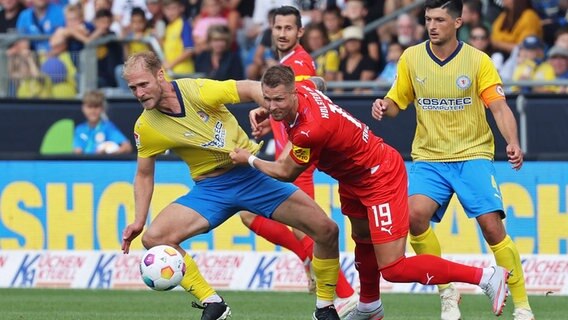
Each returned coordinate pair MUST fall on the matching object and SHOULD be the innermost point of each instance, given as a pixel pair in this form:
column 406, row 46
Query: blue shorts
column 473, row 182
column 241, row 188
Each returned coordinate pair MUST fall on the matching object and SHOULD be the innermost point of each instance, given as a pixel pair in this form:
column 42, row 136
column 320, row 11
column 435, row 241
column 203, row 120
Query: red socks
column 428, row 269
column 369, row 277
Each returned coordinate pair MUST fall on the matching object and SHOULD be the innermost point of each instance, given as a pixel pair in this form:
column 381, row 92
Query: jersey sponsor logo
column 218, row 137
column 302, row 154
column 444, row 104
column 204, row 116
column 137, row 140
column 463, row 82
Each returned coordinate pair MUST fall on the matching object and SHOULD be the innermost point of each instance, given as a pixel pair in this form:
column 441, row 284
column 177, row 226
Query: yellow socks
column 193, row 282
column 326, row 272
column 507, row 256
column 427, row 243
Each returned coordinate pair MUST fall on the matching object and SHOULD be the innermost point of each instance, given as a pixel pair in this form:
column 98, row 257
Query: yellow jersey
column 450, row 113
column 203, row 134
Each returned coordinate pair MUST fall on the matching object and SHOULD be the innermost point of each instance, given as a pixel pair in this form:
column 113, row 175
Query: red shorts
column 383, row 200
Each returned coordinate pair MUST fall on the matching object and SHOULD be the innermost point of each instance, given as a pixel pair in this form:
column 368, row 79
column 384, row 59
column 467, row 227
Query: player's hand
column 378, row 109
column 515, row 155
column 239, row 156
column 130, row 233
column 259, row 122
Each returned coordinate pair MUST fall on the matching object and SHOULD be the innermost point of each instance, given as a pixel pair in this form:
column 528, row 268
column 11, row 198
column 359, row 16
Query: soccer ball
column 162, row 268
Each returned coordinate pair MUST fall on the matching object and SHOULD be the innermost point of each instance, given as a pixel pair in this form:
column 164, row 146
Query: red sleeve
column 307, row 142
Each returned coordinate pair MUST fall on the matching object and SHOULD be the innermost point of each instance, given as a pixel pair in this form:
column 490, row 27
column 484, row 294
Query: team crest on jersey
column 137, row 139
column 302, row 154
column 204, row 116
column 463, row 82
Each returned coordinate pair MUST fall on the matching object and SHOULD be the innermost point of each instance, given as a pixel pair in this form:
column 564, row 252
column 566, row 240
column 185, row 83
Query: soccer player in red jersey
column 286, row 33
column 372, row 185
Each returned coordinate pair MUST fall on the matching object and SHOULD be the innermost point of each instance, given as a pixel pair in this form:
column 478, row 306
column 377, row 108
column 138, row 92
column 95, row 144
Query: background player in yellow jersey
column 450, row 84
column 188, row 117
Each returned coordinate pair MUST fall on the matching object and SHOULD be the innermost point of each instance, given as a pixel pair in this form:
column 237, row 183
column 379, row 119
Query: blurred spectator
column 561, row 37
column 555, row 68
column 356, row 66
column 191, row 9
column 408, row 31
column 25, row 77
column 219, row 62
column 531, row 54
column 517, row 21
column 327, row 65
column 388, row 31
column 479, row 38
column 393, row 54
column 110, row 54
column 157, row 23
column 264, row 56
column 471, row 16
column 42, row 18
column 333, row 23
column 178, row 42
column 122, row 11
column 73, row 35
column 138, row 31
column 552, row 15
column 356, row 13
column 98, row 135
column 11, row 9
column 213, row 13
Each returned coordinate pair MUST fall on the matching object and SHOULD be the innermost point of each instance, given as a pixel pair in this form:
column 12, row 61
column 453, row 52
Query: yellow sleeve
column 149, row 141
column 402, row 91
column 488, row 75
column 215, row 93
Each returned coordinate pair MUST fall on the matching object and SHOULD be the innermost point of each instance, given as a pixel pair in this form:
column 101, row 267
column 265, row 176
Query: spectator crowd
column 232, row 39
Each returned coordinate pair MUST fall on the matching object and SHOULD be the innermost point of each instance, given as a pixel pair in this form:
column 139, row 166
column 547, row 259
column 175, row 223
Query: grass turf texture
column 45, row 304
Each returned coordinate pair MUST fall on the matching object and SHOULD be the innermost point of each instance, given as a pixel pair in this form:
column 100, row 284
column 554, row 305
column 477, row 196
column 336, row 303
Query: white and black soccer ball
column 162, row 268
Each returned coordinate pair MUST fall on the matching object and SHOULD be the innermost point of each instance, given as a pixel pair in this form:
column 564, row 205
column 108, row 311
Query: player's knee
column 247, row 218
column 419, row 221
column 151, row 239
column 327, row 232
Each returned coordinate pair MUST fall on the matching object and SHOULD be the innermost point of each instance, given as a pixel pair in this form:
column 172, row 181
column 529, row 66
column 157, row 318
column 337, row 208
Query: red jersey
column 339, row 144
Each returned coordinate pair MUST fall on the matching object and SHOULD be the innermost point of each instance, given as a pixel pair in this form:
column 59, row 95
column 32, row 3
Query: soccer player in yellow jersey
column 451, row 84
column 188, row 117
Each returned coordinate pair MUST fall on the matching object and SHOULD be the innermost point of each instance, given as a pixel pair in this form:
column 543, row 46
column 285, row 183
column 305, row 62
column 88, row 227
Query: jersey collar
column 286, row 57
column 180, row 100
column 436, row 59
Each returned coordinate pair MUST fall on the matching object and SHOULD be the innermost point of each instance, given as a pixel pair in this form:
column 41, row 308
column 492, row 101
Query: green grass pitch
column 46, row 304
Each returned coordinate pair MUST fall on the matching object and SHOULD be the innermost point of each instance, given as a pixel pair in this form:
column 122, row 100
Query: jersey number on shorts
column 383, row 218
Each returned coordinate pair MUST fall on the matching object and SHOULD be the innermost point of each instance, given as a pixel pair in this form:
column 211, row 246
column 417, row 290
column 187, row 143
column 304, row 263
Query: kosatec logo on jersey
column 218, row 137
column 302, row 154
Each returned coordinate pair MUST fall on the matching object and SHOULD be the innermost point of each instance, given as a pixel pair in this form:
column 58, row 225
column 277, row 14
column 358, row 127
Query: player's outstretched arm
column 250, row 91
column 284, row 169
column 508, row 127
column 143, row 189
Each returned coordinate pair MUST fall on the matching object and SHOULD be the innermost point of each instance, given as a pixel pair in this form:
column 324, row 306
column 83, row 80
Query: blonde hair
column 219, row 31
column 147, row 59
column 95, row 98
